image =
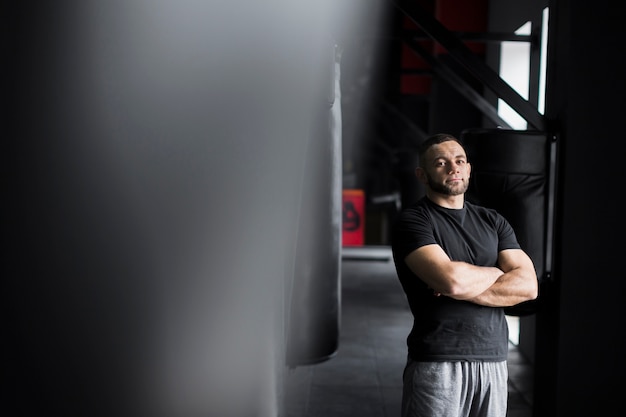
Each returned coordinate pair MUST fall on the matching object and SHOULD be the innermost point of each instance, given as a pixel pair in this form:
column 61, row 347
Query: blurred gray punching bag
column 510, row 173
column 314, row 295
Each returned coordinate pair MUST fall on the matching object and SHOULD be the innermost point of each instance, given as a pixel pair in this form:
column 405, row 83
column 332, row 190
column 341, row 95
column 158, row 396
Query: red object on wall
column 455, row 15
column 463, row 16
column 353, row 219
column 415, row 83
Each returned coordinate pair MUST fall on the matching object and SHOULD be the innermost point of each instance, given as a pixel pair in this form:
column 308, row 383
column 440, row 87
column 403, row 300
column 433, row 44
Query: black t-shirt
column 445, row 329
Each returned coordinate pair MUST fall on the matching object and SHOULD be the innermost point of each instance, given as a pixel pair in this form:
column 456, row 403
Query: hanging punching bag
column 314, row 297
column 510, row 173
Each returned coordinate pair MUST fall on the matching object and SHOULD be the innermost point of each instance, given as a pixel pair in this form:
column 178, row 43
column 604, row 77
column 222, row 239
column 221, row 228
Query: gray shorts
column 455, row 389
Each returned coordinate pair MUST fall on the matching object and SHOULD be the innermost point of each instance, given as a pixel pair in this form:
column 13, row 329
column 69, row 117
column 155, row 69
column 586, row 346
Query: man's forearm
column 467, row 281
column 509, row 289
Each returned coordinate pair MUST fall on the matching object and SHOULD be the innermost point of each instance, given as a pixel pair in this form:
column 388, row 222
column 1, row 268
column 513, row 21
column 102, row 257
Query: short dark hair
column 434, row 140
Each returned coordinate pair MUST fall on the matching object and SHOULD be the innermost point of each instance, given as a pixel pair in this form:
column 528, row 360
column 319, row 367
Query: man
column 459, row 265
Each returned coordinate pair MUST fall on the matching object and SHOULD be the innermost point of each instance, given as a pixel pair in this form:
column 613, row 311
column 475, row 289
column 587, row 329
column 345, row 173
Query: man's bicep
column 510, row 259
column 429, row 263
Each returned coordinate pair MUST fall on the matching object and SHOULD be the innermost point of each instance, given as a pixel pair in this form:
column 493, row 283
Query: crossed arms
column 512, row 282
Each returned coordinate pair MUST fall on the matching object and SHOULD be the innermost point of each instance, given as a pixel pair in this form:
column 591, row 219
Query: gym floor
column 364, row 377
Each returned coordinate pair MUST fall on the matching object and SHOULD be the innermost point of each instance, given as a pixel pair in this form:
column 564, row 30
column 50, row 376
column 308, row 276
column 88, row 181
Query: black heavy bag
column 510, row 173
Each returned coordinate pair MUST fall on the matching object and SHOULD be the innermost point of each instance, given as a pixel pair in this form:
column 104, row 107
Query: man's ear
column 421, row 175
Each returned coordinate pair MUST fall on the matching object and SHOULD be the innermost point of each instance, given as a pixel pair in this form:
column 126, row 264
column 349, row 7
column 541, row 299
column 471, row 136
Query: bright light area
column 544, row 52
column 513, row 322
column 515, row 70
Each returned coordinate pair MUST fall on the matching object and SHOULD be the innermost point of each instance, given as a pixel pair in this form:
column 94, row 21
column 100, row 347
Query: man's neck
column 445, row 200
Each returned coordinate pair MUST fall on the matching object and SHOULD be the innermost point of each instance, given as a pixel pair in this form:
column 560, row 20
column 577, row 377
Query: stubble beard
column 445, row 189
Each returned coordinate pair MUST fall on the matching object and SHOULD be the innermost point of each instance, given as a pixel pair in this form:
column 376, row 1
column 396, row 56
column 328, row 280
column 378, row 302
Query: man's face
column 446, row 170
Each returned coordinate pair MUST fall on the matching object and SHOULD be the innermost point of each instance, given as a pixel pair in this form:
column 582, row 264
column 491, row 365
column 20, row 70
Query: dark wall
column 581, row 333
